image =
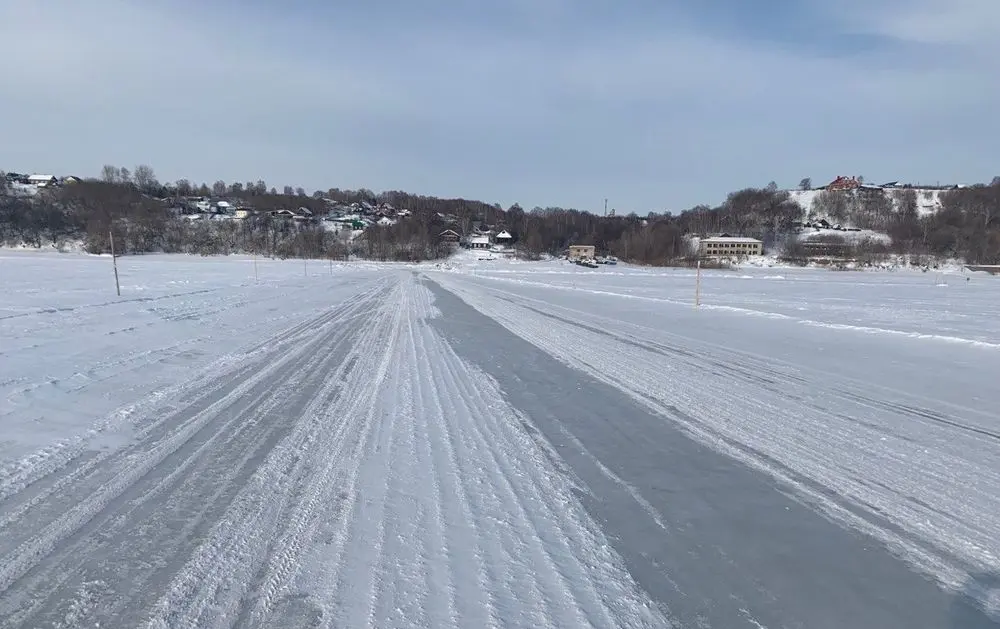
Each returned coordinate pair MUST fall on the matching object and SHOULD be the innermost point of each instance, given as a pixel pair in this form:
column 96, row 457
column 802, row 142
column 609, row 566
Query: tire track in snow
column 829, row 456
column 142, row 484
column 32, row 482
column 500, row 505
column 352, row 471
column 221, row 421
column 149, row 413
column 571, row 590
column 240, row 575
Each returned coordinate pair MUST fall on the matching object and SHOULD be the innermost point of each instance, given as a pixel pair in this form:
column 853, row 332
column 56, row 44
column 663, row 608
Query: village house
column 42, row 181
column 449, row 235
column 504, row 238
column 478, row 241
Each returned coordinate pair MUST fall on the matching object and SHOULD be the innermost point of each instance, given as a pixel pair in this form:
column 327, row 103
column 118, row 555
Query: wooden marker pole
column 697, row 285
column 114, row 261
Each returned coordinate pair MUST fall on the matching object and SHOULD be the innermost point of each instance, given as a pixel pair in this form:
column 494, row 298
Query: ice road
column 361, row 445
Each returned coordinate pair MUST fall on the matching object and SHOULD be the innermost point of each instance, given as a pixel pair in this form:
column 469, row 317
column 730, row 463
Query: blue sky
column 656, row 105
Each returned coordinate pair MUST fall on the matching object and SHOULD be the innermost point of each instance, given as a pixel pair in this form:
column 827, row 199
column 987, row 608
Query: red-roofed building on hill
column 844, row 183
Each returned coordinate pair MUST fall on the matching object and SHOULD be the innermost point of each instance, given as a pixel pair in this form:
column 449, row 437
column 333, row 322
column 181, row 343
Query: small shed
column 580, row 252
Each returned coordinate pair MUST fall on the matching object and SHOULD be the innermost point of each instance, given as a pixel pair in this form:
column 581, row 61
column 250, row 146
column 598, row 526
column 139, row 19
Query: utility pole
column 256, row 277
column 114, row 261
column 605, row 207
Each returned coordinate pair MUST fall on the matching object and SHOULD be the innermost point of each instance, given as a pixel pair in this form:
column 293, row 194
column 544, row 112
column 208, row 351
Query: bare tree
column 834, row 204
column 996, row 181
column 183, row 187
column 300, row 192
column 288, row 191
column 806, row 183
column 145, row 178
column 110, row 174
column 219, row 188
column 124, row 175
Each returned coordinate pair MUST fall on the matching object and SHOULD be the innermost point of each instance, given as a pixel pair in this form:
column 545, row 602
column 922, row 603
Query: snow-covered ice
column 872, row 394
column 303, row 451
column 494, row 443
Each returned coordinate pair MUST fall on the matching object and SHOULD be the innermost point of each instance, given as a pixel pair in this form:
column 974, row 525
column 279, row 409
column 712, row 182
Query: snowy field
column 495, row 444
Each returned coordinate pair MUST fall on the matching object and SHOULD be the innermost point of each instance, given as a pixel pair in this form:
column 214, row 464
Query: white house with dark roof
column 42, row 181
column 478, row 241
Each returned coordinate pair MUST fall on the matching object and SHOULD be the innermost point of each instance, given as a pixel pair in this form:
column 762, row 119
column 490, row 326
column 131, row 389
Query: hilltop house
column 843, row 183
column 41, row 181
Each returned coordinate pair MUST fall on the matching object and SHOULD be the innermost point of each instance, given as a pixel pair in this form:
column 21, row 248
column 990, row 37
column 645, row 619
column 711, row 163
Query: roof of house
column 591, row 246
column 479, row 239
column 730, row 239
column 41, row 177
column 504, row 234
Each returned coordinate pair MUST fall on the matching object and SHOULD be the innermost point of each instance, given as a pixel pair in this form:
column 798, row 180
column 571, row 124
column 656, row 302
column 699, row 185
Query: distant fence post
column 114, row 261
column 697, row 284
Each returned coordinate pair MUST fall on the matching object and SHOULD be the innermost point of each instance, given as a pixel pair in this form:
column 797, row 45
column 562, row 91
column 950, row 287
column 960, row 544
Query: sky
column 656, row 105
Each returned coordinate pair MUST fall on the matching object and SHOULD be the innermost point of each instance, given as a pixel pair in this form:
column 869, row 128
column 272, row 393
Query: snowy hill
column 928, row 199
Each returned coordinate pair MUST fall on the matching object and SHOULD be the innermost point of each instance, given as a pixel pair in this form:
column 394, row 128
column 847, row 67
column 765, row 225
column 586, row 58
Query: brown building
column 844, row 183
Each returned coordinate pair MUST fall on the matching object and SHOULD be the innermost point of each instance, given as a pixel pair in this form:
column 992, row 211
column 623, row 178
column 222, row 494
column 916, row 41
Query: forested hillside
column 145, row 216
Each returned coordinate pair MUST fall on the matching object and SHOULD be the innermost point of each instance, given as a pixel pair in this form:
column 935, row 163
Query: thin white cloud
column 969, row 24
column 466, row 110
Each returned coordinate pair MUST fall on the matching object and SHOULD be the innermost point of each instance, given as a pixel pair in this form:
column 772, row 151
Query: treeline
column 967, row 226
column 140, row 215
column 657, row 239
column 139, row 211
